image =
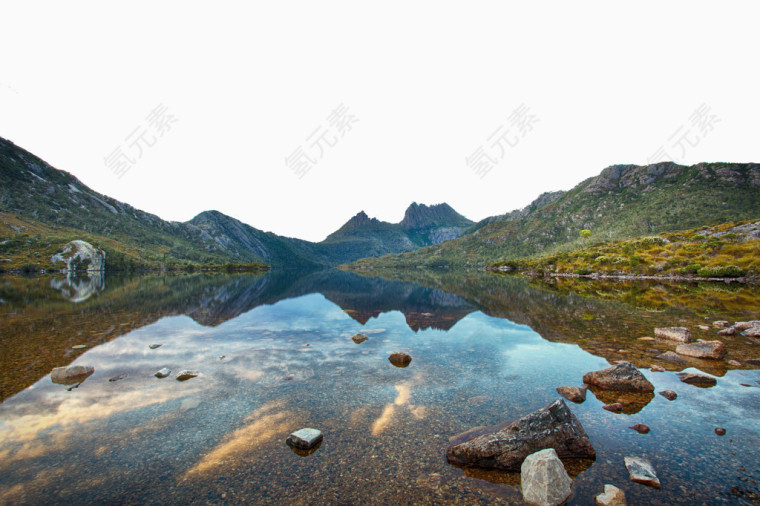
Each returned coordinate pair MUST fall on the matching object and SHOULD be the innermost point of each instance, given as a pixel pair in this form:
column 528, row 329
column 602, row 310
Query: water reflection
column 78, row 287
column 275, row 354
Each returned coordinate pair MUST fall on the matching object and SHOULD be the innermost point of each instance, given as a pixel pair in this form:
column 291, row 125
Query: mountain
column 58, row 208
column 623, row 201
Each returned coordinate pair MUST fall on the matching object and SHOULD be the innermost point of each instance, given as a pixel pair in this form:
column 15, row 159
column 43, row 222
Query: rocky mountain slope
column 623, row 201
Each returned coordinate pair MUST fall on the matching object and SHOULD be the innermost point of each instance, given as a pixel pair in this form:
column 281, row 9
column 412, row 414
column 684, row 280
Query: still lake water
column 275, row 354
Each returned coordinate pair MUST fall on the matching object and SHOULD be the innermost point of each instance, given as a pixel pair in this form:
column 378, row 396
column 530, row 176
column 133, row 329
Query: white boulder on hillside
column 76, row 253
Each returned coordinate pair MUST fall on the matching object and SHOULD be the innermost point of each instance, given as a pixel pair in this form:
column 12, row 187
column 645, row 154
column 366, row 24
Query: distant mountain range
column 43, row 208
column 624, row 201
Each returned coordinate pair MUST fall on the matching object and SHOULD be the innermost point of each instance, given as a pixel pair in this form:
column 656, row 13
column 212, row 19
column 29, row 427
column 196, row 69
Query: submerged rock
column 623, row 377
column 71, row 374
column 671, row 357
column 616, row 407
column 163, row 373
column 640, row 428
column 186, row 374
column 544, row 480
column 669, row 394
column 720, row 431
column 574, row 394
column 612, row 496
column 698, row 380
column 680, row 334
column 641, row 471
column 714, row 350
column 553, row 426
column 400, row 359
column 304, row 439
column 359, row 338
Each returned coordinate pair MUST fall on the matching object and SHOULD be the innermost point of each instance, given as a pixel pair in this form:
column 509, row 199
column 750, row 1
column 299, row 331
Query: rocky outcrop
column 681, row 334
column 641, row 471
column 553, row 426
column 543, row 479
column 80, row 256
column 623, row 377
column 612, row 496
column 714, row 350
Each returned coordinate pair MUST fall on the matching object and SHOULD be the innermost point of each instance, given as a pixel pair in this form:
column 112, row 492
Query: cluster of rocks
column 747, row 329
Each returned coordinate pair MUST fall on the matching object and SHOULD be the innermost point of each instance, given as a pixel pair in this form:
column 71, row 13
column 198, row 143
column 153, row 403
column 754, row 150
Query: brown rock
column 623, row 377
column 671, row 357
column 713, row 350
column 657, row 368
column 680, row 334
column 640, row 428
column 720, row 324
column 553, row 426
column 669, row 395
column 698, row 380
column 400, row 359
column 720, row 431
column 574, row 394
column 730, row 331
column 734, row 363
column 359, row 338
column 615, row 408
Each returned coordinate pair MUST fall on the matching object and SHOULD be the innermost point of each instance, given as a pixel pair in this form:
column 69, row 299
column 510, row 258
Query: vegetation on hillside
column 730, row 250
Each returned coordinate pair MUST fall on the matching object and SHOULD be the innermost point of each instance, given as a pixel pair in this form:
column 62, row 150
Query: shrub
column 723, row 271
column 690, row 269
column 583, row 271
column 602, row 259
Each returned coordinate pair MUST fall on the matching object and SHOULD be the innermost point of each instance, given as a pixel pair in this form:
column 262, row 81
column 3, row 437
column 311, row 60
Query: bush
column 723, row 271
column 583, row 271
column 602, row 259
column 690, row 269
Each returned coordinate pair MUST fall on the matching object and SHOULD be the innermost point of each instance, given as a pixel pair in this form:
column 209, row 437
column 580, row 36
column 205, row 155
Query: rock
column 640, row 428
column 79, row 347
column 118, row 378
column 646, row 338
column 612, row 496
column 574, row 394
column 544, row 480
column 703, row 327
column 305, row 439
column 752, row 332
column 730, row 331
column 632, row 402
column 714, row 350
column 641, row 471
column 400, row 359
column 163, row 373
column 720, row 324
column 669, row 395
column 622, row 377
column 657, row 368
column 671, row 357
column 71, row 374
column 680, row 334
column 186, row 374
column 80, row 255
column 698, row 380
column 359, row 338
column 720, row 431
column 154, row 346
column 553, row 426
column 615, row 408
column 740, row 326
column 734, row 363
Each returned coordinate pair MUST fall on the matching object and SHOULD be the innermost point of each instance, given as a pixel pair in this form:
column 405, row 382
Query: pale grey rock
column 544, row 480
column 71, row 374
column 680, row 334
column 612, row 496
column 740, row 326
column 186, row 374
column 77, row 252
column 163, row 373
column 641, row 471
column 305, row 438
column 623, row 377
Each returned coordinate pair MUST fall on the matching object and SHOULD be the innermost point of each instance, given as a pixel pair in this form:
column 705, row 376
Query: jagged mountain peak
column 438, row 215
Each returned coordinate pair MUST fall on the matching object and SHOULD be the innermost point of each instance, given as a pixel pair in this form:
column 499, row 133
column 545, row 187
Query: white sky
column 428, row 82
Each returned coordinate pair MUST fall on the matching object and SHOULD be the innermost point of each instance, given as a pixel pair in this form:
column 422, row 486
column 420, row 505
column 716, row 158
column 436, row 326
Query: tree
column 585, row 234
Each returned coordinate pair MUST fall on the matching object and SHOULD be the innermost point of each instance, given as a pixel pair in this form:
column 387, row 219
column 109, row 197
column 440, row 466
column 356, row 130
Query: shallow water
column 275, row 354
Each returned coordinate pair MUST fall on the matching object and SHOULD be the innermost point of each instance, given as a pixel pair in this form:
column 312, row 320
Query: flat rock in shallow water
column 680, row 334
column 671, row 357
column 163, row 373
column 304, row 438
column 359, row 338
column 616, row 407
column 713, row 350
column 641, row 471
column 400, row 359
column 740, row 326
column 730, row 331
column 574, row 394
column 622, row 377
column 544, row 480
column 669, row 395
column 752, row 332
column 553, row 426
column 71, row 374
column 698, row 380
column 612, row 496
column 640, row 428
column 154, row 346
column 186, row 374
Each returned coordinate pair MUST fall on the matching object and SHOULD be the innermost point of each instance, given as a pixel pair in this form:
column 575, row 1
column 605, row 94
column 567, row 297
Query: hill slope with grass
column 623, row 201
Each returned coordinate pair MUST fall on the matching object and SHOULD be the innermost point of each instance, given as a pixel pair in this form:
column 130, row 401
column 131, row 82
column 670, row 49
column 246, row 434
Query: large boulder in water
column 80, row 255
column 553, row 426
column 543, row 479
column 622, row 377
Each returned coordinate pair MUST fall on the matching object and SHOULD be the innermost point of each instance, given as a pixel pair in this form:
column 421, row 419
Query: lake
column 274, row 354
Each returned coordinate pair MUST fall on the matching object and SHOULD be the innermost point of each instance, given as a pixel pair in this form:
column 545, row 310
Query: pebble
column 305, row 438
column 154, row 346
column 720, row 431
column 163, row 373
column 186, row 374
